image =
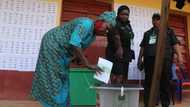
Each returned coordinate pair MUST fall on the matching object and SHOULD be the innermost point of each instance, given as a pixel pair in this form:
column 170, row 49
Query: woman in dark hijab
column 119, row 46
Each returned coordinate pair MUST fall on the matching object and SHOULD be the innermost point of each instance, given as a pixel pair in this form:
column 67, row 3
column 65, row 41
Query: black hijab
column 119, row 10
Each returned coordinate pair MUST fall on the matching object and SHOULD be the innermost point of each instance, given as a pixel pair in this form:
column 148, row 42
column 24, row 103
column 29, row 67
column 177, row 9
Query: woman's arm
column 140, row 59
column 119, row 49
column 179, row 55
column 141, row 54
column 79, row 54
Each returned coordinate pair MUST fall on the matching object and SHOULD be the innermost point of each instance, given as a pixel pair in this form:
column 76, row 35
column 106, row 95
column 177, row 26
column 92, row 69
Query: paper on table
column 106, row 67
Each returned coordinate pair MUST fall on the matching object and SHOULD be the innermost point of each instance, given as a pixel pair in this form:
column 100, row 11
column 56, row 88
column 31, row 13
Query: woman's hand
column 75, row 60
column 140, row 65
column 95, row 68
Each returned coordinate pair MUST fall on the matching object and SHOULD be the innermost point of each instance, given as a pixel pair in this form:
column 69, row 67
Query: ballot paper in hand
column 106, row 67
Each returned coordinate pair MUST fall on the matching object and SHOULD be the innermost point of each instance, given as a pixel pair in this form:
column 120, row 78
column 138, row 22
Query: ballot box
column 118, row 95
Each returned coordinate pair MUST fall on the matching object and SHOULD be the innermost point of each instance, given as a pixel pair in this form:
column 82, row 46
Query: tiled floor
column 5, row 103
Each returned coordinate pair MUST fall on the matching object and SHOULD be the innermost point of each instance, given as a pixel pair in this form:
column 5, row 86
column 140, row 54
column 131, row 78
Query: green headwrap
column 109, row 17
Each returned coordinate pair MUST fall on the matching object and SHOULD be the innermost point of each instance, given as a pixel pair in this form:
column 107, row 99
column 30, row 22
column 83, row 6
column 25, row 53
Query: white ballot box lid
column 118, row 87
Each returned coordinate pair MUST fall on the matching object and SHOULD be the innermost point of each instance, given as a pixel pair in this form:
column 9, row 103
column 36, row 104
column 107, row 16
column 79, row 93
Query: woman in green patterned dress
column 51, row 78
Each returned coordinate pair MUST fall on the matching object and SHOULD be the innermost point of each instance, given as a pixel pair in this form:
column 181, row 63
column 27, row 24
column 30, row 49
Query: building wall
column 153, row 4
column 157, row 4
column 188, row 26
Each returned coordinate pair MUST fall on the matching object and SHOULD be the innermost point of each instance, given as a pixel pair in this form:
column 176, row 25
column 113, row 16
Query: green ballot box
column 80, row 81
